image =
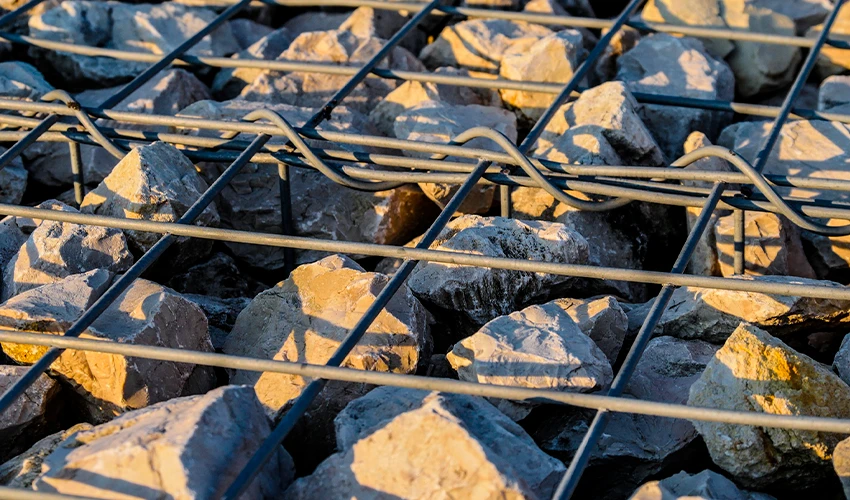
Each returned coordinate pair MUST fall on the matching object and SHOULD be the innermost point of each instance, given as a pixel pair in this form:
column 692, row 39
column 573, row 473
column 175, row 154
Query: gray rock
column 756, row 372
column 712, row 315
column 479, row 44
column 436, row 122
column 20, row 472
column 59, row 249
column 834, row 92
column 217, row 276
column 229, row 82
column 248, row 32
column 19, row 80
column 221, row 314
column 664, row 64
column 13, row 181
column 125, row 454
column 315, row 21
column 606, row 66
column 30, row 416
column 540, row 347
column 706, row 13
column 137, row 27
column 388, row 439
column 11, row 239
column 841, row 464
column 833, row 61
column 841, row 363
column 367, row 22
column 601, row 319
column 155, row 182
column 481, row 294
column 706, row 485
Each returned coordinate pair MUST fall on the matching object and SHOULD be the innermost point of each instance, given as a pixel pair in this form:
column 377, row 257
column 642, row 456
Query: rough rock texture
column 248, row 32
column 19, row 80
column 539, row 347
column 315, row 21
column 551, row 59
column 59, row 249
column 601, row 319
column 13, row 181
column 696, row 13
column 410, row 94
column 635, row 447
column 389, row 438
column 367, row 22
column 664, row 64
column 480, row 44
column 841, row 362
column 165, row 451
column 812, row 149
column 833, row 61
column 433, row 121
column 771, row 246
column 146, row 314
column 321, row 208
column 157, row 183
column 29, row 416
column 606, row 66
column 756, row 372
column 229, row 82
column 11, row 239
column 22, row 470
column 149, row 28
column 834, row 93
column 481, row 294
column 841, row 464
column 706, row 485
column 216, row 276
column 221, row 314
column 711, row 315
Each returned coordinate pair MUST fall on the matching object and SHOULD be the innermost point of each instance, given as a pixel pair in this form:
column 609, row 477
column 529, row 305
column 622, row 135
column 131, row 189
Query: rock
column 221, row 314
column 602, row 319
column 479, row 44
column 833, row 61
column 771, row 246
column 19, row 80
column 492, row 4
column 706, row 485
column 410, row 94
column 125, row 454
column 59, row 249
column 321, row 208
column 11, row 239
column 483, row 454
column 668, row 65
column 13, row 181
column 606, row 66
column 634, row 447
column 480, row 294
column 540, row 347
column 609, row 112
column 158, row 183
column 248, row 32
column 545, row 7
column 805, row 13
column 21, row 471
column 841, row 363
column 145, row 314
column 551, row 59
column 841, row 464
column 712, row 315
column 756, row 372
column 706, row 13
column 135, row 27
column 315, row 21
column 229, row 82
column 810, row 149
column 436, row 122
column 366, row 22
column 30, row 416
column 834, row 92
column 315, row 89
column 217, row 276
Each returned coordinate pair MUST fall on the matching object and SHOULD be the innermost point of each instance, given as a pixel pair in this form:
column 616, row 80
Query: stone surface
column 217, row 276
column 551, row 59
column 19, row 80
column 606, row 66
column 668, row 65
column 165, row 452
column 706, row 13
column 540, row 347
column 833, row 61
column 221, row 314
column 712, row 315
column 479, row 44
column 366, row 22
column 841, row 363
column 602, row 319
column 157, row 183
column 389, row 438
column 321, row 208
column 148, row 28
column 30, row 416
column 59, row 249
column 13, row 181
column 756, row 372
column 21, row 471
column 315, row 21
column 841, row 464
column 706, row 485
column 248, row 32
column 229, row 82
column 432, row 121
column 481, row 294
column 145, row 314
column 834, row 92
column 11, row 239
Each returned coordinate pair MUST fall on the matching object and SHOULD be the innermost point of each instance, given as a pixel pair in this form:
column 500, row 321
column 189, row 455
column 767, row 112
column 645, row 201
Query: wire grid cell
column 615, row 181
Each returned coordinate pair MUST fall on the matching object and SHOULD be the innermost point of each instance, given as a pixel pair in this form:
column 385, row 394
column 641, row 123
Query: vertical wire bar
column 287, row 226
column 580, row 460
column 505, row 200
column 740, row 222
column 77, row 171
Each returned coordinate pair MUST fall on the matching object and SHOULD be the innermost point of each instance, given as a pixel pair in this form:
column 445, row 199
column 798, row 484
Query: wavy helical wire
column 85, row 121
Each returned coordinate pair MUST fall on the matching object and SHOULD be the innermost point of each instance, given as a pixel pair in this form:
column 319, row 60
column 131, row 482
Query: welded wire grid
column 40, row 121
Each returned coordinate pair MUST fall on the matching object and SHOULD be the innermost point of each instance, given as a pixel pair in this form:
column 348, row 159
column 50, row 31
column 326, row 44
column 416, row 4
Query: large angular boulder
column 389, row 438
column 712, row 314
column 165, row 451
column 59, row 249
column 229, row 82
column 706, row 485
column 539, row 347
column 706, row 13
column 479, row 294
column 605, row 67
column 367, row 22
column 668, row 65
column 155, row 182
column 321, row 208
column 148, row 28
column 433, row 121
column 602, row 319
column 551, row 59
column 480, row 44
column 754, row 371
column 30, row 416
column 145, row 314
column 833, row 61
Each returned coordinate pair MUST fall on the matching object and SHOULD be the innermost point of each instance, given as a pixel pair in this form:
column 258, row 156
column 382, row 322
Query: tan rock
column 30, row 416
column 695, row 13
column 13, row 181
column 367, row 22
column 841, row 464
column 602, row 319
column 833, row 61
column 756, row 372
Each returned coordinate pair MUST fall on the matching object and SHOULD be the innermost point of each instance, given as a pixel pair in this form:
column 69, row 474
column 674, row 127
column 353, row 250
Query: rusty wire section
column 40, row 121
